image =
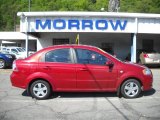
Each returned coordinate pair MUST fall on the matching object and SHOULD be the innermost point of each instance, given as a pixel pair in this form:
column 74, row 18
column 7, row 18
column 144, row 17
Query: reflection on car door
column 58, row 65
column 92, row 73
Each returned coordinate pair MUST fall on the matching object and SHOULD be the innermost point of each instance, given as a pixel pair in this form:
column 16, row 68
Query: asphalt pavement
column 15, row 104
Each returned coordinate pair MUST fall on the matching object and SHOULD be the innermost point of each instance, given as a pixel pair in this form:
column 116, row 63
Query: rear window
column 60, row 55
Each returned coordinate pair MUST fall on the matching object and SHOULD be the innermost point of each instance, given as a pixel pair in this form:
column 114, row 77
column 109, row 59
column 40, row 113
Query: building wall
column 154, row 37
column 95, row 28
column 121, row 41
column 89, row 22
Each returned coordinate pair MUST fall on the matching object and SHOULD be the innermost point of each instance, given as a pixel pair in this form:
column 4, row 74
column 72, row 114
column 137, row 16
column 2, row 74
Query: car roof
column 71, row 45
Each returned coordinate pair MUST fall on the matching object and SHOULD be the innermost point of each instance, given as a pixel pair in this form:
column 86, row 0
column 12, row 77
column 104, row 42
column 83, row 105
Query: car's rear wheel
column 40, row 90
column 2, row 64
column 131, row 88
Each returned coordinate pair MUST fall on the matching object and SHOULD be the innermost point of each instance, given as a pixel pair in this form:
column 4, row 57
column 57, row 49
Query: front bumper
column 147, row 83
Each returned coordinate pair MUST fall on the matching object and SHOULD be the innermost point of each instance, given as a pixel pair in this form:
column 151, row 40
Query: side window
column 90, row 57
column 60, row 55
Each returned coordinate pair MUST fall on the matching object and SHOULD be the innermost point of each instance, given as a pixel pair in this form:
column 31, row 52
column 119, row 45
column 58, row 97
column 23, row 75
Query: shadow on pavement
column 25, row 94
column 77, row 94
column 149, row 93
column 88, row 94
column 82, row 94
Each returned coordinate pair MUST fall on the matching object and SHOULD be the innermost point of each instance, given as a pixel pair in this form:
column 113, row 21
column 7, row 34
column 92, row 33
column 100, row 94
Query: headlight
column 9, row 56
column 147, row 71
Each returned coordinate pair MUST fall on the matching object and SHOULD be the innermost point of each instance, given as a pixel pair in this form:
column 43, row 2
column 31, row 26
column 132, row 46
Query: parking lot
column 15, row 104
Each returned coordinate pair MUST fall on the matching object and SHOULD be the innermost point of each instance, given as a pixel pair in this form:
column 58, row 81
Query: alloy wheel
column 131, row 89
column 40, row 89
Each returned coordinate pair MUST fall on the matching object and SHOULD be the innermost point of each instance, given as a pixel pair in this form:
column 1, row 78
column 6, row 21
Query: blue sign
column 84, row 24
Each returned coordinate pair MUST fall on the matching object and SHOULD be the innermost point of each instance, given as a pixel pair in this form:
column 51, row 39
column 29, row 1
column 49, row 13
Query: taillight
column 145, row 56
column 14, row 66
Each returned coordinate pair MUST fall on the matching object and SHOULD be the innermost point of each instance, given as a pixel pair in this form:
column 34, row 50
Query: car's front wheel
column 40, row 90
column 2, row 64
column 131, row 88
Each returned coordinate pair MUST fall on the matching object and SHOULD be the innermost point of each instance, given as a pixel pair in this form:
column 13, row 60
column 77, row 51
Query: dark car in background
column 6, row 60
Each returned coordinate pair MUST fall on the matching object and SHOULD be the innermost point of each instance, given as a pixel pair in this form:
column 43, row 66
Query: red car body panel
column 131, row 71
column 63, row 74
column 75, row 76
column 94, row 77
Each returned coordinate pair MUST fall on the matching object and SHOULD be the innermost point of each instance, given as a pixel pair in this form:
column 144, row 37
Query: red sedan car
column 79, row 68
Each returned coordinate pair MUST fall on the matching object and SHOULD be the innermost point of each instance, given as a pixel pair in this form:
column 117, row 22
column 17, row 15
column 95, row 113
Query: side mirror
column 110, row 64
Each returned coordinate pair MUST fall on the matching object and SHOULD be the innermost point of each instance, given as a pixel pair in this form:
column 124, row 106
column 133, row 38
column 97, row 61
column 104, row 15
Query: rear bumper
column 148, row 61
column 17, row 81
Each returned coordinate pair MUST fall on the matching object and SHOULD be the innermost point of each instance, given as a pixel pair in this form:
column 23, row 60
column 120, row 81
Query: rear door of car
column 58, row 64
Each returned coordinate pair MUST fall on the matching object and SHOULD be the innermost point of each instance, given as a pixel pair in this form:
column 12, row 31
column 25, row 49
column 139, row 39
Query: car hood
column 135, row 65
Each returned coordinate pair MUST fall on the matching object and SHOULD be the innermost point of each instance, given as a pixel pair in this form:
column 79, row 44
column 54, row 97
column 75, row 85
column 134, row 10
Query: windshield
column 15, row 50
column 20, row 50
column 23, row 49
column 111, row 55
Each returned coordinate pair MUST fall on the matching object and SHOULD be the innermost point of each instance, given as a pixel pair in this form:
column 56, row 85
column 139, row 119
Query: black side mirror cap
column 110, row 64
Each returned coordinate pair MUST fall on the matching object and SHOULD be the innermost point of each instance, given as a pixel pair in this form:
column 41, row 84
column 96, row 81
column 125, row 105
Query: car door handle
column 83, row 69
column 46, row 67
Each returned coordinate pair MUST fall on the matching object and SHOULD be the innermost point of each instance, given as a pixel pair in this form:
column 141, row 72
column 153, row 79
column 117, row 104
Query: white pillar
column 134, row 48
column 134, row 42
column 26, row 21
column 39, row 45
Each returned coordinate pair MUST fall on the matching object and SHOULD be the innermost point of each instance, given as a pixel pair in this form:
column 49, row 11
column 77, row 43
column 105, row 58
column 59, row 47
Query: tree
column 114, row 5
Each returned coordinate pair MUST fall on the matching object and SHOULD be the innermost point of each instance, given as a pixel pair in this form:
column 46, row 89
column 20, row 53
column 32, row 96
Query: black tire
column 131, row 88
column 40, row 90
column 2, row 64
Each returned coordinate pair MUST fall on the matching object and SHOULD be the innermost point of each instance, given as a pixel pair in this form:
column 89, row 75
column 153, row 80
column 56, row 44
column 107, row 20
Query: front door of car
column 93, row 73
column 58, row 65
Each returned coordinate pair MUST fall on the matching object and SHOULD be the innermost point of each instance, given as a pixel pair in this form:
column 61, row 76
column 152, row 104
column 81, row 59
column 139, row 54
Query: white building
column 122, row 33
column 16, row 39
